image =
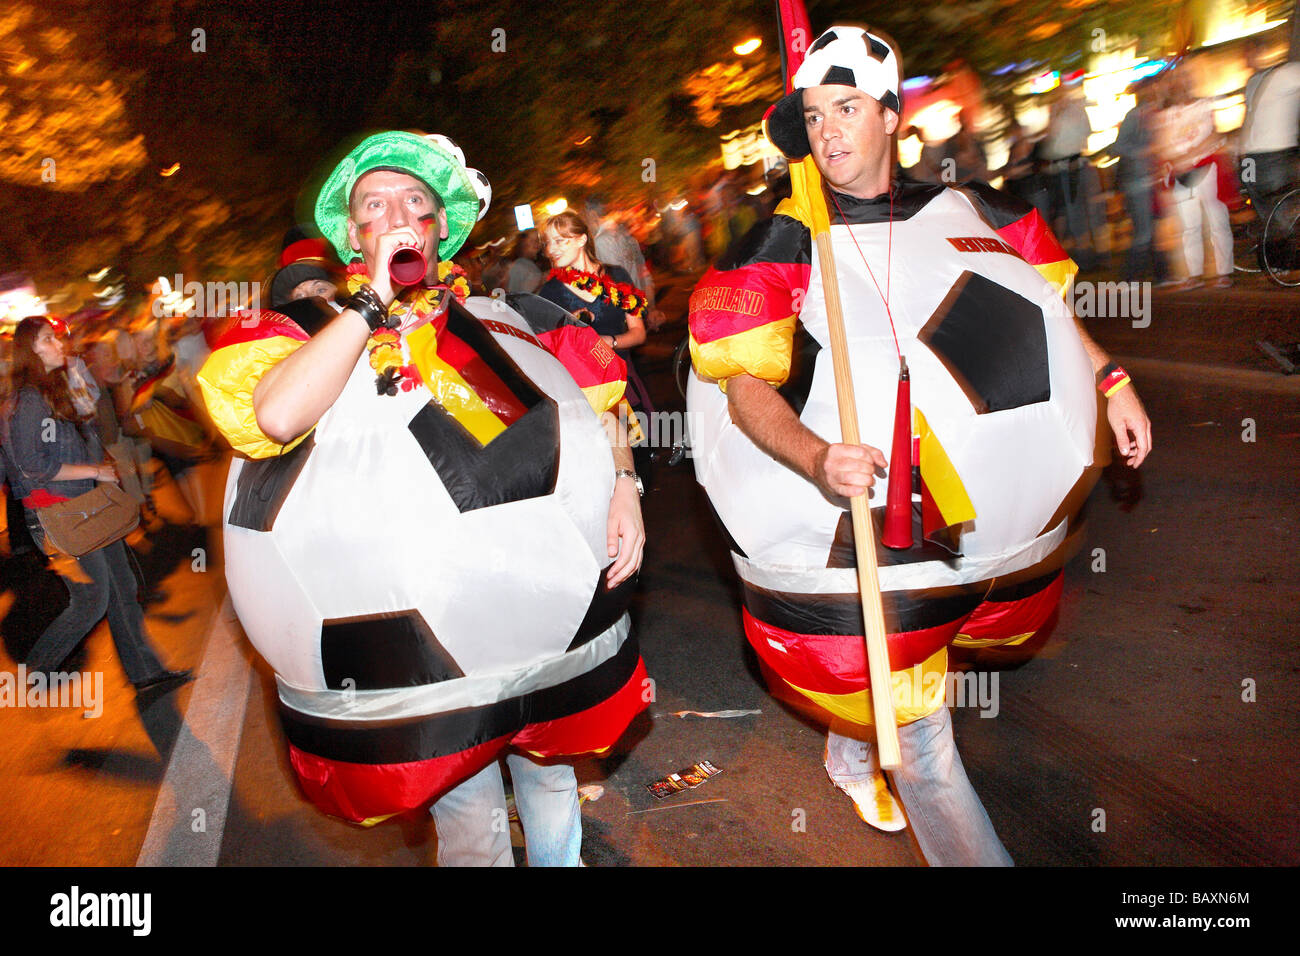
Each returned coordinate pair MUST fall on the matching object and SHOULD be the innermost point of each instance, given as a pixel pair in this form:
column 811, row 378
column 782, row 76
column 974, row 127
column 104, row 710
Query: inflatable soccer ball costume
column 423, row 570
column 1003, row 419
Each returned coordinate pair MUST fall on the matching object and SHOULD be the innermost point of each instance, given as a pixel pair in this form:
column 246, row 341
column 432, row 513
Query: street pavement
column 1153, row 726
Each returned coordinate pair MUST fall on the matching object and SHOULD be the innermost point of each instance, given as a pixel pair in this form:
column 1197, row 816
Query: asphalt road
column 1154, row 726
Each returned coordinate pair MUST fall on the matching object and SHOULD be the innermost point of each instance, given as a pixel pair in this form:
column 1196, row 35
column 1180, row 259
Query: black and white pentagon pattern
column 993, row 342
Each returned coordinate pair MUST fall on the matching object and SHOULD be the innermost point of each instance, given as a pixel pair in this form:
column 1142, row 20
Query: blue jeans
column 471, row 817
column 1142, row 246
column 109, row 591
column 943, row 810
column 1265, row 175
column 1072, row 189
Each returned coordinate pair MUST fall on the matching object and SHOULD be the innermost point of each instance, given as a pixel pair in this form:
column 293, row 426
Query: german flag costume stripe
column 742, row 313
column 362, row 755
column 1025, row 231
column 1011, row 616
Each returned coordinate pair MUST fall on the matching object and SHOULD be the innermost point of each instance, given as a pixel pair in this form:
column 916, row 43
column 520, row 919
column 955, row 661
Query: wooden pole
column 864, row 535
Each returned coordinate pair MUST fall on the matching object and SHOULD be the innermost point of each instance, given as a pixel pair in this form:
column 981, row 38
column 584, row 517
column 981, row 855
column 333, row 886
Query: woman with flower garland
column 601, row 294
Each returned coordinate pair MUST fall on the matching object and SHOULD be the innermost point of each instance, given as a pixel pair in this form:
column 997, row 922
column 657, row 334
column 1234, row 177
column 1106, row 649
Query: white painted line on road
column 1223, row 375
column 189, row 817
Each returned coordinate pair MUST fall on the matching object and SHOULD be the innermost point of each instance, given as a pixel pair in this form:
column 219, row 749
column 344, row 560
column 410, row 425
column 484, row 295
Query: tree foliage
column 554, row 99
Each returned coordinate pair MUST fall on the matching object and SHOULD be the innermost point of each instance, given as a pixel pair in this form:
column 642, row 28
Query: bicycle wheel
column 1281, row 243
column 1248, row 257
column 682, row 365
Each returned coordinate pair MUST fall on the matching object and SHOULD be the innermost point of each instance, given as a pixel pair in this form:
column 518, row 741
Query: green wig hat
column 433, row 159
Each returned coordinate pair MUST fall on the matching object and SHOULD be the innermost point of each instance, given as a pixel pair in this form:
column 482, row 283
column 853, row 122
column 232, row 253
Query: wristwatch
column 636, row 479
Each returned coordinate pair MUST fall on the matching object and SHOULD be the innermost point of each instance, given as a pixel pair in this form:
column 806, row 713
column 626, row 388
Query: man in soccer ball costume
column 433, row 528
column 966, row 282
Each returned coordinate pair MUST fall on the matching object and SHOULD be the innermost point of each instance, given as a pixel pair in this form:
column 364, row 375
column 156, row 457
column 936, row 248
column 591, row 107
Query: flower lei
column 385, row 345
column 628, row 298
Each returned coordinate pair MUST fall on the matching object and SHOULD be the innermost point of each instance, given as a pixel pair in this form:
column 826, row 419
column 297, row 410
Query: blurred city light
column 1148, row 68
column 1043, row 83
column 745, row 147
column 747, row 46
column 1228, row 21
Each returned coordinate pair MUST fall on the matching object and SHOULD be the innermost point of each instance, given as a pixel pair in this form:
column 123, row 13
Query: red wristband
column 1113, row 379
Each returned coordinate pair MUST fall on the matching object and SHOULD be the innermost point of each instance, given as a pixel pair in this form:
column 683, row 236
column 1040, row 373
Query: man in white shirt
column 524, row 276
column 1070, row 180
column 617, row 247
column 1270, row 136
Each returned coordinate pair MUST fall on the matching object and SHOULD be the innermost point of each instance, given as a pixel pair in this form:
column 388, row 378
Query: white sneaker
column 875, row 803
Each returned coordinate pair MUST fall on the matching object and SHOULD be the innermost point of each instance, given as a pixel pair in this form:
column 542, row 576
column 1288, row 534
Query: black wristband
column 366, row 303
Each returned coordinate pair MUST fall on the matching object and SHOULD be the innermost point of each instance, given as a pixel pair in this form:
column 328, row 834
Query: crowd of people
column 1171, row 163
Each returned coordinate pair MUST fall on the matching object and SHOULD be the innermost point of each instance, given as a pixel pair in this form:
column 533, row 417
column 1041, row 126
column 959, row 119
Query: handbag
column 90, row 521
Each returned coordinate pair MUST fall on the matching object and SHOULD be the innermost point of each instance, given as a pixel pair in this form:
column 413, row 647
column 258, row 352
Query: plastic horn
column 407, row 266
column 897, row 531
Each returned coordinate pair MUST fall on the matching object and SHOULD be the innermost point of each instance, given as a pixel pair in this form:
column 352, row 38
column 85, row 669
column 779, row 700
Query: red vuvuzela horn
column 897, row 532
column 407, row 266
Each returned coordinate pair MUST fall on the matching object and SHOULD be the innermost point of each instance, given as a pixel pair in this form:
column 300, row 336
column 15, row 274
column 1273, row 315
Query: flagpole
column 792, row 22
column 864, row 532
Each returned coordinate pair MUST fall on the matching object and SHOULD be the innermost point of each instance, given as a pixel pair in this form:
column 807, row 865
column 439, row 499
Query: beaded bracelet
column 366, row 303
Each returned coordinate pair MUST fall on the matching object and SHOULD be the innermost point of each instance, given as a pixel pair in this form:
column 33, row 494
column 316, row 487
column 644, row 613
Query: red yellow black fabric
column 742, row 312
column 599, row 372
column 366, row 773
column 1013, row 615
column 253, row 343
column 144, row 391
column 837, row 663
column 475, row 365
column 1020, row 226
column 945, row 505
column 829, row 672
